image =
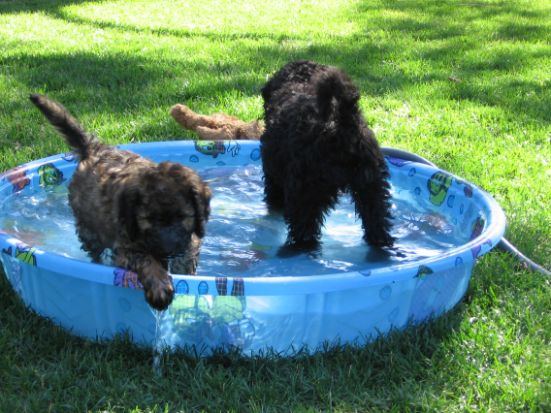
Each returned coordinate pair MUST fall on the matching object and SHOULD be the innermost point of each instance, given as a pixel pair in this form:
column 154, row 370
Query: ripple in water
column 242, row 238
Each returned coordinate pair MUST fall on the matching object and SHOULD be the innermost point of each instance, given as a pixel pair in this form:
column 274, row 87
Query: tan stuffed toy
column 218, row 126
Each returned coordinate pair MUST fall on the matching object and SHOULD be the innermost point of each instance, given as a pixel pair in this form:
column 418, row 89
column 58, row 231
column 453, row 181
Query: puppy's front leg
column 157, row 284
column 187, row 262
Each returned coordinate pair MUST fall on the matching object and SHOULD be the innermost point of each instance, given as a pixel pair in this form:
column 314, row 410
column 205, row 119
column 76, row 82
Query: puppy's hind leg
column 273, row 194
column 372, row 199
column 304, row 213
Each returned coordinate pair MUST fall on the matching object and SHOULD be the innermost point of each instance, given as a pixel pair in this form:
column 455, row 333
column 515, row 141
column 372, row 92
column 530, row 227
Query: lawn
column 466, row 84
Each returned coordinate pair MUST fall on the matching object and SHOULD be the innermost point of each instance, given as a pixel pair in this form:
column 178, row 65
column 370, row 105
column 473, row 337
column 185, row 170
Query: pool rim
column 276, row 285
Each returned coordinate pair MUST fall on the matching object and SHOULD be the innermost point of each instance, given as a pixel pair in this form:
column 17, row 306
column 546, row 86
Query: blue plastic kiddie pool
column 245, row 296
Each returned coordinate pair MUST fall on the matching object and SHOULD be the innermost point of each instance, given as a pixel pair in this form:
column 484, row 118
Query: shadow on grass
column 439, row 34
column 51, row 7
column 417, row 32
column 455, row 9
column 478, row 50
column 118, row 89
column 120, row 81
column 55, row 9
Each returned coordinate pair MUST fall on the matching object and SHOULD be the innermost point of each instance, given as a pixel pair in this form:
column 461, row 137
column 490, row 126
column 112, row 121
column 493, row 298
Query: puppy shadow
column 313, row 249
column 377, row 254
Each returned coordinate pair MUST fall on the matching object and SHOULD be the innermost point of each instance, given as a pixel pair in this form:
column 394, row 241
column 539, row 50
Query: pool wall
column 253, row 323
column 281, row 313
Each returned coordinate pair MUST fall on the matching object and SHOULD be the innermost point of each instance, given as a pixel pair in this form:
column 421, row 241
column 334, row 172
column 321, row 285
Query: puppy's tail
column 65, row 124
column 334, row 86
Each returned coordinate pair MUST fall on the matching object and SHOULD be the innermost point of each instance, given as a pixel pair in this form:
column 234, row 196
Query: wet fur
column 317, row 144
column 146, row 213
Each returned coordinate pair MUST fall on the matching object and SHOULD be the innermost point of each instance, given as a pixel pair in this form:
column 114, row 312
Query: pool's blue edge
column 279, row 285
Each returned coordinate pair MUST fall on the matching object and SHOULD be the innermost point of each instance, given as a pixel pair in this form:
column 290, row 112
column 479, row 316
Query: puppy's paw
column 159, row 293
column 292, row 249
column 156, row 282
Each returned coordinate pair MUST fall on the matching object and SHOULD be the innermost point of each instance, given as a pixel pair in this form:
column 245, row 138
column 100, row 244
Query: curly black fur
column 317, row 144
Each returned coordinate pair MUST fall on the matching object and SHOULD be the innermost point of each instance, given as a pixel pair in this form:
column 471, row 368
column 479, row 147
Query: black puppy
column 316, row 145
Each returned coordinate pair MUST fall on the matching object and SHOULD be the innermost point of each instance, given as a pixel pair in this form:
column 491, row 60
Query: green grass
column 466, row 84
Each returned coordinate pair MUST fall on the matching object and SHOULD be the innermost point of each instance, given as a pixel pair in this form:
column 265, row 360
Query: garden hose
column 503, row 245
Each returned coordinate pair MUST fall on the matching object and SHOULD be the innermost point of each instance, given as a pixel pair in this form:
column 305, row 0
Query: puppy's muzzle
column 169, row 241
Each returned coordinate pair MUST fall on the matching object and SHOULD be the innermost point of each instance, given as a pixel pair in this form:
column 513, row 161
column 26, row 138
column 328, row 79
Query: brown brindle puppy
column 146, row 213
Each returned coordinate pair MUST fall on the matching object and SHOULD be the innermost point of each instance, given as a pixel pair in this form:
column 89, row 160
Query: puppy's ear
column 127, row 206
column 201, row 195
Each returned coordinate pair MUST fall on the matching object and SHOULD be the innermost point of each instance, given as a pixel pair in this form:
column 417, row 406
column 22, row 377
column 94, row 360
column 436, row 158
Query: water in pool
column 242, row 238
